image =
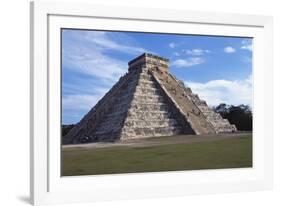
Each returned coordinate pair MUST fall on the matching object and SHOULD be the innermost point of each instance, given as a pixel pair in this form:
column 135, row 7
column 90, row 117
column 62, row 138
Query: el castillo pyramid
column 147, row 101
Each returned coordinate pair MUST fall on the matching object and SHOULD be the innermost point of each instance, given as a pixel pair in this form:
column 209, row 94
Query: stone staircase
column 149, row 113
column 221, row 125
column 112, row 107
column 175, row 89
column 110, row 126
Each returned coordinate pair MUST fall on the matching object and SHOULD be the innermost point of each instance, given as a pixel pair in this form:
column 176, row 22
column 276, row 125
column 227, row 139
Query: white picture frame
column 47, row 186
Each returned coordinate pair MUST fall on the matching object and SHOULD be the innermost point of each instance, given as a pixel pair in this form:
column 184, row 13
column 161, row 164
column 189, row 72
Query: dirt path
column 184, row 139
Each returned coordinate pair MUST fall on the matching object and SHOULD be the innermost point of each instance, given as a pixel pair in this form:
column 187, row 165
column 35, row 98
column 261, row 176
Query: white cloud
column 98, row 65
column 176, row 54
column 79, row 102
column 224, row 91
column 196, row 52
column 84, row 52
column 247, row 45
column 82, row 97
column 172, row 45
column 229, row 49
column 84, row 87
column 103, row 40
column 247, row 59
column 192, row 61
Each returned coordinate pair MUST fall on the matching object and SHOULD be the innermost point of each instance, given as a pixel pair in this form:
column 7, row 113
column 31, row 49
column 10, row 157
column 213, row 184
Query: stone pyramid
column 147, row 101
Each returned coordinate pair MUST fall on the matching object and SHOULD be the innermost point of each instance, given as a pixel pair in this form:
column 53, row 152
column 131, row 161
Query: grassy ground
column 226, row 153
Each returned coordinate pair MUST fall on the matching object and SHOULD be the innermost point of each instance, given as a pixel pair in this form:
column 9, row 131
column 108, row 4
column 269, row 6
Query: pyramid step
column 143, row 97
column 149, row 115
column 152, row 129
column 111, row 121
column 112, row 118
column 107, row 136
column 118, row 113
column 221, row 123
column 118, row 109
column 147, row 83
column 141, row 132
column 145, row 76
column 125, row 91
column 150, row 123
column 148, row 95
column 132, row 82
column 229, row 128
column 148, row 101
column 147, row 86
column 149, row 107
column 205, row 108
column 123, row 99
column 107, row 128
column 146, row 90
column 215, row 118
column 120, row 106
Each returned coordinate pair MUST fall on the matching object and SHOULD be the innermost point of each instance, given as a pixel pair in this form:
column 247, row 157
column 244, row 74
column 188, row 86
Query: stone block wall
column 151, row 113
column 176, row 92
column 221, row 125
column 105, row 119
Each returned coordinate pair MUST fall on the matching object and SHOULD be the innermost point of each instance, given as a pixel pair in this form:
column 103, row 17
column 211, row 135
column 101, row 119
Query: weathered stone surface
column 146, row 102
column 220, row 125
column 150, row 112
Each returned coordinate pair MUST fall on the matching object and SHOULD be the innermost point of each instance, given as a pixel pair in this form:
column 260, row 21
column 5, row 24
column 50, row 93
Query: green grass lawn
column 226, row 153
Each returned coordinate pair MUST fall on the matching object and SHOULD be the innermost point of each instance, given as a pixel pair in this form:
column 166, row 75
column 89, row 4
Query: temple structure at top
column 149, row 61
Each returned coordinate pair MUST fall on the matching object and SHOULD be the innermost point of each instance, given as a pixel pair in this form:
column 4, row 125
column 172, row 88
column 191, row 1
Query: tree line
column 241, row 115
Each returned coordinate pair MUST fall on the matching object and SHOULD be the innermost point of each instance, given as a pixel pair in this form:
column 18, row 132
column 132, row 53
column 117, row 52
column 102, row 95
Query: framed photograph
column 127, row 105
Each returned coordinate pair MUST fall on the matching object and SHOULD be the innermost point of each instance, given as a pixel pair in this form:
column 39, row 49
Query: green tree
column 240, row 116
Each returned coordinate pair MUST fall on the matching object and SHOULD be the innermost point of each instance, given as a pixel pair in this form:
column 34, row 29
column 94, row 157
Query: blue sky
column 218, row 69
